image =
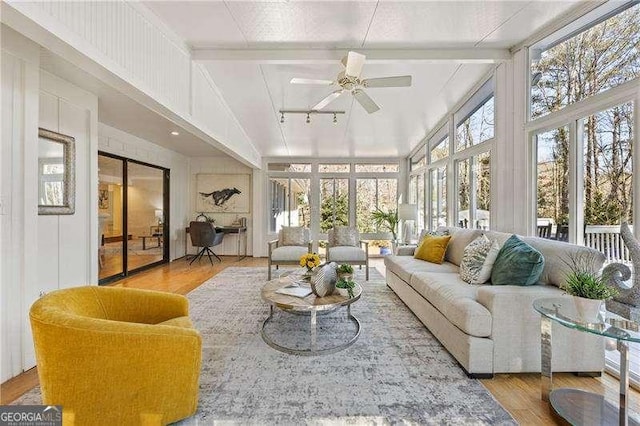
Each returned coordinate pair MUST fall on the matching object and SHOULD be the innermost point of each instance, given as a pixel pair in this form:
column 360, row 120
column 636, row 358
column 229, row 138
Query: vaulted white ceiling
column 239, row 43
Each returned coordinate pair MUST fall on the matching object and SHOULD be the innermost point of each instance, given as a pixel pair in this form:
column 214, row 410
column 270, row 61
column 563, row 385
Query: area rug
column 395, row 373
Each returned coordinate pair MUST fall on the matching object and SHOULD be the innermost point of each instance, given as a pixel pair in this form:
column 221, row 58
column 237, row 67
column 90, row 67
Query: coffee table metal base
column 313, row 350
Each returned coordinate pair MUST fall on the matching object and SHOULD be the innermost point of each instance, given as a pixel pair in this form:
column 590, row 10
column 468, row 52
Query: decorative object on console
column 517, row 264
column 432, row 248
column 627, row 302
column 323, row 280
column 478, row 259
column 222, row 193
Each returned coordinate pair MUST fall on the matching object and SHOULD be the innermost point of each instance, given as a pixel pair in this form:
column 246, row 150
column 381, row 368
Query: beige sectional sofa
column 493, row 329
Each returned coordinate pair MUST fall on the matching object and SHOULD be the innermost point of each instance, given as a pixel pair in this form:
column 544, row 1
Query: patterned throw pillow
column 345, row 236
column 435, row 233
column 478, row 259
column 293, row 236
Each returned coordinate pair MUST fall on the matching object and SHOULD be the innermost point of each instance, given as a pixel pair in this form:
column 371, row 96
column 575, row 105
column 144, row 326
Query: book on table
column 295, row 290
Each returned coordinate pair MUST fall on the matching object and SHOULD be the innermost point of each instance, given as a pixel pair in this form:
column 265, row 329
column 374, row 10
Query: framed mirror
column 56, row 173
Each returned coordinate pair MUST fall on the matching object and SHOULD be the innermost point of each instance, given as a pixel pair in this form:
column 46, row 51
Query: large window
column 552, row 150
column 478, row 127
column 438, row 197
column 593, row 61
column 289, row 202
column 372, row 193
column 334, row 203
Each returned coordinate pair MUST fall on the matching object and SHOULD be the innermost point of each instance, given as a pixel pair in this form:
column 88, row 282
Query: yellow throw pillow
column 432, row 249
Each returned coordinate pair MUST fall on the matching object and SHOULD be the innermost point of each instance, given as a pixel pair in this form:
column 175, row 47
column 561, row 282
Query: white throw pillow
column 293, row 236
column 478, row 259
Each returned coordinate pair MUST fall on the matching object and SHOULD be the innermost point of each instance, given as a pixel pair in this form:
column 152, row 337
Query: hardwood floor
column 518, row 393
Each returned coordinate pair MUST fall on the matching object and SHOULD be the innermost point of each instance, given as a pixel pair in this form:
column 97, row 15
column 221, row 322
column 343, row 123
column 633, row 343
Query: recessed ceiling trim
column 293, row 56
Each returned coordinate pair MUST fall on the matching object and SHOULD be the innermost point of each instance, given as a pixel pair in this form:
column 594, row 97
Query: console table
column 241, row 235
column 574, row 405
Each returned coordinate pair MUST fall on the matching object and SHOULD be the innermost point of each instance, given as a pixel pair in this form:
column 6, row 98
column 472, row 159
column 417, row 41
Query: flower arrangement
column 310, row 261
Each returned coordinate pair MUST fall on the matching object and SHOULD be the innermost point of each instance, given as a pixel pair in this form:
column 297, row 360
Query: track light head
column 335, row 118
column 308, row 118
column 282, row 117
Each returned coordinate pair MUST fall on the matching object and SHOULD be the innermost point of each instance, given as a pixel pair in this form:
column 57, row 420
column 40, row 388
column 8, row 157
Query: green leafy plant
column 582, row 282
column 346, row 284
column 386, row 221
column 345, row 269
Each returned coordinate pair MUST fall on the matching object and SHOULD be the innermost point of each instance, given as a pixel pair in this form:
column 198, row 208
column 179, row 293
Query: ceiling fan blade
column 355, row 61
column 367, row 103
column 399, row 81
column 327, row 100
column 311, row 81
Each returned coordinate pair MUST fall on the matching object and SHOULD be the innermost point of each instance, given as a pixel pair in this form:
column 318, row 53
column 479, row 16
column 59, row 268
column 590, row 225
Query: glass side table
column 574, row 405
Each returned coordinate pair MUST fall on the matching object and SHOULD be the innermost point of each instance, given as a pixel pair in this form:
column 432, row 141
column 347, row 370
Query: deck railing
column 607, row 240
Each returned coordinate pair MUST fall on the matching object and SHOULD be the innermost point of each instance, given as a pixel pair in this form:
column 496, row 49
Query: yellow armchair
column 116, row 356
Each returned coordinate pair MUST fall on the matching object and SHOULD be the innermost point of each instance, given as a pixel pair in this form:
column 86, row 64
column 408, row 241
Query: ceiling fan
column 349, row 81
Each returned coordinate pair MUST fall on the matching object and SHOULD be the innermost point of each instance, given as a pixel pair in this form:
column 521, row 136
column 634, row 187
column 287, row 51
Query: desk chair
column 203, row 234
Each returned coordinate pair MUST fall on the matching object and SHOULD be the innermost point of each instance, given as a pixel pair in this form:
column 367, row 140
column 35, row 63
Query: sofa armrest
column 515, row 330
column 408, row 250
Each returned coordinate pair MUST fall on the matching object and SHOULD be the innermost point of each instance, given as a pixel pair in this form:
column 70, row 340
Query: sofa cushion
column 455, row 299
column 460, row 238
column 432, row 248
column 478, row 259
column 346, row 254
column 517, row 264
column 405, row 266
column 288, row 253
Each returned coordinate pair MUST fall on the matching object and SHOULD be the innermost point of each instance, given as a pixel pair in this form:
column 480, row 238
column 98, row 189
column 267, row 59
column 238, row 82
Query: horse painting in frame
column 223, row 193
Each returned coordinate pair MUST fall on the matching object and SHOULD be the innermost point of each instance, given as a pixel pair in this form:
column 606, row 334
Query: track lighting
column 308, row 114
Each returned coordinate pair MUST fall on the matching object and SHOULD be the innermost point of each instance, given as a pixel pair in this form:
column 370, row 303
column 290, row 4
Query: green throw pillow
column 517, row 264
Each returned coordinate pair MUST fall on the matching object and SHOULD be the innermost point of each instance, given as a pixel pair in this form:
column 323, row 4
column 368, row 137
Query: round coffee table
column 311, row 305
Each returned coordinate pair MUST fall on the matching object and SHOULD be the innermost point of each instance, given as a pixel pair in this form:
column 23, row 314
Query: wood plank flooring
column 518, row 393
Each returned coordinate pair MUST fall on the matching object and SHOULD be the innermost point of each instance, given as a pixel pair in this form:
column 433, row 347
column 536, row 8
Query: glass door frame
column 125, row 209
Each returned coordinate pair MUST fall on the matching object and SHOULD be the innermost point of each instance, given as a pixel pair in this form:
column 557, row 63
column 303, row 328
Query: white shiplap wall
column 125, row 35
column 18, row 198
column 120, row 143
column 128, row 47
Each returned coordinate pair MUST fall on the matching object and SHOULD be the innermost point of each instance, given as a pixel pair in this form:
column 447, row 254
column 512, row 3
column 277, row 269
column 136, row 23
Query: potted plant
column 590, row 290
column 345, row 287
column 345, row 271
column 386, row 221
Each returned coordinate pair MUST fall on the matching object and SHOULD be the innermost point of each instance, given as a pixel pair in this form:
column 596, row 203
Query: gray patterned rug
column 396, row 373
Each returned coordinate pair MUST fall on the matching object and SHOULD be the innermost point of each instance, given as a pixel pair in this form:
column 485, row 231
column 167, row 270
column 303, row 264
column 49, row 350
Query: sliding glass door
column 132, row 217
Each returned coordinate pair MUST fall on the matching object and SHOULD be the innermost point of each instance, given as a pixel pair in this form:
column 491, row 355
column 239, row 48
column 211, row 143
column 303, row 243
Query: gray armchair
column 292, row 243
column 345, row 246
